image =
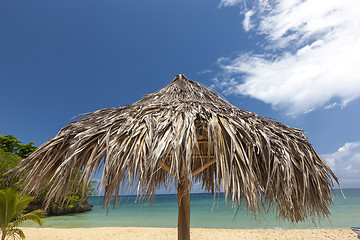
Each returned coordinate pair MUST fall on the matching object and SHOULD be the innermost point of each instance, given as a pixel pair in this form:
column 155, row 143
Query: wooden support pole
column 165, row 166
column 183, row 193
column 203, row 167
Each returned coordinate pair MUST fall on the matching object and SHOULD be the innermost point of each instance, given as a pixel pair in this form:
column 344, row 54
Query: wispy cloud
column 227, row 3
column 309, row 58
column 345, row 162
column 247, row 20
column 205, row 71
column 330, row 105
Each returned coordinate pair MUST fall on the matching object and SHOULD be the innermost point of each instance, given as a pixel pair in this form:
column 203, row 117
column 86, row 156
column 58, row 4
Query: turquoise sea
column 345, row 213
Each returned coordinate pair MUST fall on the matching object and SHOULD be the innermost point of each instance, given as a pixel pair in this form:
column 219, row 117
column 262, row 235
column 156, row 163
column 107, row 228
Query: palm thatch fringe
column 186, row 130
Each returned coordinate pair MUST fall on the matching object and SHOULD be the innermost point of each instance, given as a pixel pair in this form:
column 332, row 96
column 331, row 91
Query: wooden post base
column 184, row 209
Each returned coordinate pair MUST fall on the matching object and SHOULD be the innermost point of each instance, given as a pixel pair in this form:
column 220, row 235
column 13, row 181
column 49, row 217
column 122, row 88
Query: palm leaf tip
column 35, row 216
column 16, row 233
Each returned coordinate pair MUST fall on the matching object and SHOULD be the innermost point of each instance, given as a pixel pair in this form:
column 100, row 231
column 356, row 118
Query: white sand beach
column 137, row 233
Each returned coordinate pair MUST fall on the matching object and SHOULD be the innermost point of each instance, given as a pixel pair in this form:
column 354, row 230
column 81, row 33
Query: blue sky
column 295, row 61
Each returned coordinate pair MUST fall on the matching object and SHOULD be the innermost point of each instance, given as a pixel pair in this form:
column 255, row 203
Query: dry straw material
column 179, row 134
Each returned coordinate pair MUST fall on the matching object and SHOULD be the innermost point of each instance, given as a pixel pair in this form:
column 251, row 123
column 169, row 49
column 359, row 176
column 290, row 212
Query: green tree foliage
column 7, row 162
column 12, row 145
column 12, row 207
column 11, row 153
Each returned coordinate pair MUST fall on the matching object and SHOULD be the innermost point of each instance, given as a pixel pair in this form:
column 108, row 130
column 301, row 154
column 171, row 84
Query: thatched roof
column 187, row 130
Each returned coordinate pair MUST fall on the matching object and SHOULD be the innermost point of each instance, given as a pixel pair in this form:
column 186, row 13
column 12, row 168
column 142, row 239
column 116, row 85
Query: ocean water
column 345, row 213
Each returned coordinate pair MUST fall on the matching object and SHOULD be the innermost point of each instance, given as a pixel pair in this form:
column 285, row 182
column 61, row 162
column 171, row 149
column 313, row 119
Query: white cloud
column 345, row 163
column 310, row 55
column 330, row 105
column 227, row 3
column 247, row 20
column 344, row 150
column 205, row 71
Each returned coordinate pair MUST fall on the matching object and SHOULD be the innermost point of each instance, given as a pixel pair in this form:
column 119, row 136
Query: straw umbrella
column 184, row 133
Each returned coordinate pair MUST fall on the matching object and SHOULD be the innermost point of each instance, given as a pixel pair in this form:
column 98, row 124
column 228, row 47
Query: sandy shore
column 112, row 233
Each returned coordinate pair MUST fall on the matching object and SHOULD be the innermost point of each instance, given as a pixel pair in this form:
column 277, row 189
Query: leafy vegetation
column 12, row 207
column 7, row 162
column 11, row 144
column 12, row 151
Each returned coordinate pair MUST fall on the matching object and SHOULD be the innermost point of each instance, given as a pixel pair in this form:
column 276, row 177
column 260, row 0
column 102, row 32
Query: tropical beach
column 270, row 172
column 196, row 233
column 144, row 221
column 207, row 119
column 179, row 135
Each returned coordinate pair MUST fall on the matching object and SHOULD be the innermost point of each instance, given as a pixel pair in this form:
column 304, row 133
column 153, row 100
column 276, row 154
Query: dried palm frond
column 186, row 131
